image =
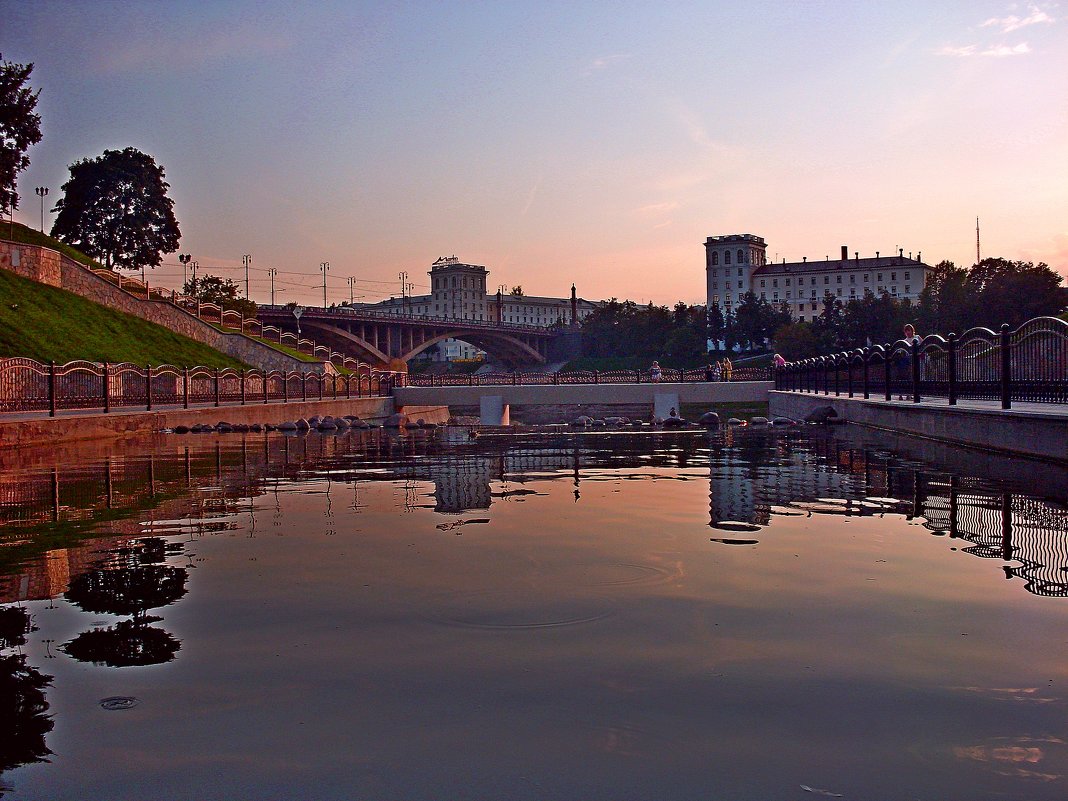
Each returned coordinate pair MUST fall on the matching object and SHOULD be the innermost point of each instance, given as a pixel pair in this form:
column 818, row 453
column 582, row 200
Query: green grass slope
column 45, row 323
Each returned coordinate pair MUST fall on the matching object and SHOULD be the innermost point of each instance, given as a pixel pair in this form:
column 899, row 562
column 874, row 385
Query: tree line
column 954, row 299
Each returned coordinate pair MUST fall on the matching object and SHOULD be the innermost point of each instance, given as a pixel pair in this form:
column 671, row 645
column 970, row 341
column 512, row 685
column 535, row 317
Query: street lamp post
column 247, row 261
column 325, row 267
column 352, row 289
column 184, row 258
column 41, row 192
column 272, row 272
column 297, row 312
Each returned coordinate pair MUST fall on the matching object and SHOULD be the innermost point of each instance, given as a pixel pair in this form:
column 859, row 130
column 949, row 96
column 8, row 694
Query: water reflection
column 753, row 477
column 23, row 706
column 648, row 583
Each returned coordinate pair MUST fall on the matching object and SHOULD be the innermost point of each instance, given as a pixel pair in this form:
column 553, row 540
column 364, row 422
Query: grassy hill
column 45, row 323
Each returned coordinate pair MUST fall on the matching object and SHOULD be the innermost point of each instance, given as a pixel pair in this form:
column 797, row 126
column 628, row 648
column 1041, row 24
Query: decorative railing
column 1029, row 363
column 582, row 377
column 396, row 315
column 28, row 386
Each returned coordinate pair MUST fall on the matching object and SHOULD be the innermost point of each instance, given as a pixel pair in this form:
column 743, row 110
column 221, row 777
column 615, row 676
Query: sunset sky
column 559, row 142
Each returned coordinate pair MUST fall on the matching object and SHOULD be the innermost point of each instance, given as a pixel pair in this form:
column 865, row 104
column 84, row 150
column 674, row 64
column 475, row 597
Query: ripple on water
column 117, row 703
column 506, row 611
column 624, row 574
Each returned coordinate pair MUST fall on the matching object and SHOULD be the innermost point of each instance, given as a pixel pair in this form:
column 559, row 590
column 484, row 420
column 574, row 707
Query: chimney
column 919, row 257
column 804, row 259
column 856, row 255
column 845, row 253
column 876, row 254
column 901, row 253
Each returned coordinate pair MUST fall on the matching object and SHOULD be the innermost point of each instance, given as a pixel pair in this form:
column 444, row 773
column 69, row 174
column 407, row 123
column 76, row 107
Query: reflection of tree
column 23, row 708
column 128, row 591
column 128, row 643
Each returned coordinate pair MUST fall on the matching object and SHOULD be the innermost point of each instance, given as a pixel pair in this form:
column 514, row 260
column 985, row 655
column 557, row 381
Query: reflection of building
column 458, row 291
column 737, row 263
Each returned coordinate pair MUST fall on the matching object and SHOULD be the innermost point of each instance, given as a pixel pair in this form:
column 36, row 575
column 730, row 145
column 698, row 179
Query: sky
column 595, row 143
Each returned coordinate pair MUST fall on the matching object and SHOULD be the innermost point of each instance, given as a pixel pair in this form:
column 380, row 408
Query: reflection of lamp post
column 41, row 192
column 297, row 311
column 325, row 267
column 247, row 261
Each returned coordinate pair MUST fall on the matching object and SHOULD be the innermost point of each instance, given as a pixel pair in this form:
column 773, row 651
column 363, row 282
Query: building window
column 852, row 279
column 813, row 307
column 800, row 306
column 839, row 291
column 787, row 282
column 787, row 293
column 908, row 289
column 893, row 276
column 715, row 284
column 865, row 278
column 715, row 273
column 726, row 257
column 880, row 277
column 801, row 318
column 776, row 296
column 763, row 282
column 715, row 258
column 715, row 300
column 826, row 279
column 838, row 279
column 906, row 275
column 763, row 295
column 741, row 256
column 775, row 282
column 739, row 284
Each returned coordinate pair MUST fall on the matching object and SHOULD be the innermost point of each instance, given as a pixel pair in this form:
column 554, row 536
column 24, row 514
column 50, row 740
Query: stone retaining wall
column 53, row 268
column 1027, row 433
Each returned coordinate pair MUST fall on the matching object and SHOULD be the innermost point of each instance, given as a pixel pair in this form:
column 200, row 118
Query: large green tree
column 115, row 208
column 20, row 128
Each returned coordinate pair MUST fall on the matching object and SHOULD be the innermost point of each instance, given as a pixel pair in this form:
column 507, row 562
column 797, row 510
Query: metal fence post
column 951, row 350
column 148, row 386
column 1006, row 368
column 887, row 355
column 837, row 376
column 107, row 389
column 864, row 354
column 52, row 388
column 915, row 348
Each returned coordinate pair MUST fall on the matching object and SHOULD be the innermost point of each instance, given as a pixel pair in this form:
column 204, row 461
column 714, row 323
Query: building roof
column 878, row 263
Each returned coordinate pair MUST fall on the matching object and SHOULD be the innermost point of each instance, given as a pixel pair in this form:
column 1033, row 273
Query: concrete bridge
column 496, row 401
column 381, row 338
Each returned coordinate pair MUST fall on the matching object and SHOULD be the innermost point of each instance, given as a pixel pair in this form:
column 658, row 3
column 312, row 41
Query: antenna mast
column 977, row 258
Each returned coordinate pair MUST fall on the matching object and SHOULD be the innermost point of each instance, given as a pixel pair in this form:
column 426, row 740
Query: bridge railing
column 27, row 385
column 580, row 377
column 1029, row 363
column 401, row 316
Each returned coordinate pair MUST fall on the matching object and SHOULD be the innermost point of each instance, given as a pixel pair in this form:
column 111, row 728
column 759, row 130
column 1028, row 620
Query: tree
column 1013, row 292
column 517, row 290
column 20, row 128
column 222, row 292
column 115, row 208
column 796, row 341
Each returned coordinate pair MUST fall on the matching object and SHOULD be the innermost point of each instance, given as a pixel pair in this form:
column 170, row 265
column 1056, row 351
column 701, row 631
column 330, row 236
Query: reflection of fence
column 28, row 385
column 583, row 377
column 1028, row 364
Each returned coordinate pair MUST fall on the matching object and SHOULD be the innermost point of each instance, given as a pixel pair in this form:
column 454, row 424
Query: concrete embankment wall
column 589, row 394
column 1016, row 431
column 50, row 267
column 131, row 424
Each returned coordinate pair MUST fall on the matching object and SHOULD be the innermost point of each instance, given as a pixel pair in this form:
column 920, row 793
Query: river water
column 745, row 614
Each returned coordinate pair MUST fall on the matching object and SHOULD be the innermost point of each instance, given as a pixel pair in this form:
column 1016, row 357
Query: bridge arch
column 508, row 349
column 365, row 351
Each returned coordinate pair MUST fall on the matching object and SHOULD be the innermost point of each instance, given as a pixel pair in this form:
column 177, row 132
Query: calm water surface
column 742, row 615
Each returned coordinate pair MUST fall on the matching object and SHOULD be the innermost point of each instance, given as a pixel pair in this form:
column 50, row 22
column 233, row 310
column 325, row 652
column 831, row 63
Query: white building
column 737, row 263
column 458, row 291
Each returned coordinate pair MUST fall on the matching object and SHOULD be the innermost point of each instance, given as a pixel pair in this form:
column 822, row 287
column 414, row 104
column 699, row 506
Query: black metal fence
column 27, row 385
column 585, row 377
column 1027, row 364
